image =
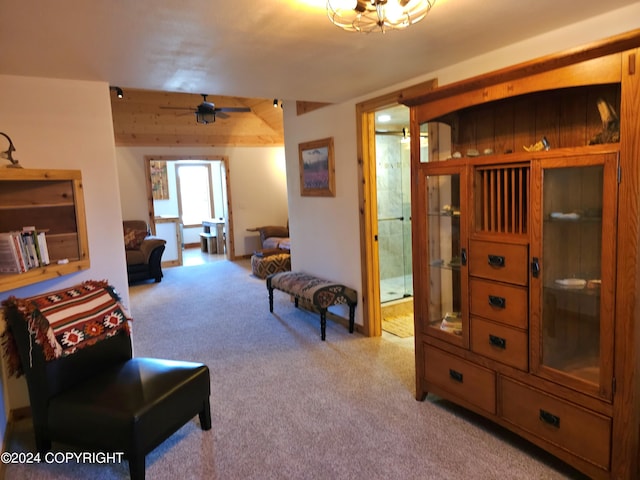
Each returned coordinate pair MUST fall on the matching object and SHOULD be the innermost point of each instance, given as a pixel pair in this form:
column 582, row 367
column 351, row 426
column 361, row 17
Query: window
column 195, row 200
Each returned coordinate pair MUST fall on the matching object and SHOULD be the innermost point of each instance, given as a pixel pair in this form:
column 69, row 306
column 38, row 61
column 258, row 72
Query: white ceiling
column 270, row 48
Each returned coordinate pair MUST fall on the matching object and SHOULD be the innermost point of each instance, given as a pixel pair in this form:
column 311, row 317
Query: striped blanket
column 67, row 320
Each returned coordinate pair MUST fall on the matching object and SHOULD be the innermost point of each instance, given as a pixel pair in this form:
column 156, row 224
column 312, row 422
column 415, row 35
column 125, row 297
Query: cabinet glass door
column 573, row 268
column 447, row 273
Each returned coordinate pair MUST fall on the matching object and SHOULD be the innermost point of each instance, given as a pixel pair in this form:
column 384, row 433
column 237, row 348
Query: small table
column 219, row 226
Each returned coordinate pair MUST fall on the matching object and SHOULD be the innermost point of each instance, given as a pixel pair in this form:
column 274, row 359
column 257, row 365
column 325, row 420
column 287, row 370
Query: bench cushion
column 262, row 265
column 321, row 293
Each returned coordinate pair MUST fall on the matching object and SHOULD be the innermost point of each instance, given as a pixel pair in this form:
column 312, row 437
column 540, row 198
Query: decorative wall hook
column 8, row 153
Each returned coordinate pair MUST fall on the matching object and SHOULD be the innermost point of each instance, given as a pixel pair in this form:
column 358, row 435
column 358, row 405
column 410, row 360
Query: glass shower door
column 394, row 217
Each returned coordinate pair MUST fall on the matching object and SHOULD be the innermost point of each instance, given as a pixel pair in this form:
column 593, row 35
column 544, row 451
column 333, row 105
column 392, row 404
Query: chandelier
column 369, row 15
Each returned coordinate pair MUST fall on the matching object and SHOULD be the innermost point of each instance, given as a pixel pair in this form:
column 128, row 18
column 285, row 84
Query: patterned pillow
column 133, row 238
column 67, row 320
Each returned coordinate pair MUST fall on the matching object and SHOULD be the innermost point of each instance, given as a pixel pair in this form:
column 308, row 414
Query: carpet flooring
column 286, row 405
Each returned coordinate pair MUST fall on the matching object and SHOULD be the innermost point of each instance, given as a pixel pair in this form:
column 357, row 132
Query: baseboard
column 308, row 306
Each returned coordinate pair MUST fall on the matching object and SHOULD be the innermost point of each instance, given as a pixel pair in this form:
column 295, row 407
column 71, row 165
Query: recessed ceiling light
column 384, row 118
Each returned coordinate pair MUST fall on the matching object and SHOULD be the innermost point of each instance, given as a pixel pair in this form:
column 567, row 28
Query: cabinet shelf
column 568, row 291
column 454, row 267
column 569, row 221
column 39, row 206
column 51, row 201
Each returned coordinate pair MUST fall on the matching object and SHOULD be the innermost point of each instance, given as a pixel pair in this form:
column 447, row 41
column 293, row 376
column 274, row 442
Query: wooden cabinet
column 525, row 210
column 53, row 202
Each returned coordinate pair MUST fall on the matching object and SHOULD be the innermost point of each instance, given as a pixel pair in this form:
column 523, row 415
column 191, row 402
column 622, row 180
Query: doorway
column 213, row 202
column 393, row 195
column 370, row 226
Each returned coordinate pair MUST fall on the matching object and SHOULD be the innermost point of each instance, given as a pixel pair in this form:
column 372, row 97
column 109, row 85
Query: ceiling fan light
column 205, row 117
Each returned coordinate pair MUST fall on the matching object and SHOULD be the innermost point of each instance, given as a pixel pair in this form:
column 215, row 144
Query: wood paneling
column 146, row 117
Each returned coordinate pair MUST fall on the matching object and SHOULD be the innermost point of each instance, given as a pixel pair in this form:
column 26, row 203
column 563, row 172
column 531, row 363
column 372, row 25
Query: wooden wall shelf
column 53, row 202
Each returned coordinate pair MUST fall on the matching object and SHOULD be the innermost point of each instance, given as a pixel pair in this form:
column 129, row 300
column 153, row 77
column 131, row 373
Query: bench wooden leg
column 323, row 323
column 352, row 317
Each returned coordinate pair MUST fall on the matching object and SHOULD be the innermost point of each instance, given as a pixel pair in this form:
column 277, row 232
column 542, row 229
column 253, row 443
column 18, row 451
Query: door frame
column 367, row 199
column 231, row 255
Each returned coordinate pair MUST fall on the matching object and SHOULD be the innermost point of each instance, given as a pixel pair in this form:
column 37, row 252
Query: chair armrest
column 149, row 244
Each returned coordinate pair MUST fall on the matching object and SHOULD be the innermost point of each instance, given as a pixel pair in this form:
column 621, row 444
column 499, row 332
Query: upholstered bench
column 318, row 292
column 268, row 261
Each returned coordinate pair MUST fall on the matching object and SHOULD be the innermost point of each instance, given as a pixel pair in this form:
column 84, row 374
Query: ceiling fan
column 206, row 112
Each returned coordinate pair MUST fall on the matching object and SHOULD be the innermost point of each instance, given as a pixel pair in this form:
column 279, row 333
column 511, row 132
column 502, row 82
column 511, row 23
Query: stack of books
column 21, row 251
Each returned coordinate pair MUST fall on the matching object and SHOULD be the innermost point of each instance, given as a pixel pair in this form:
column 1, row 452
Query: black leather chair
column 100, row 398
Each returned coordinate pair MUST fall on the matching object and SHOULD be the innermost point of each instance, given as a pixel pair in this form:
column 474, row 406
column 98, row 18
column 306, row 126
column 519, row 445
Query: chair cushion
column 135, row 404
column 135, row 257
column 133, row 238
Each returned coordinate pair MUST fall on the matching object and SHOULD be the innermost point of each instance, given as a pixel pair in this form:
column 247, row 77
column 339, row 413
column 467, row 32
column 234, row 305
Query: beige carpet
column 285, row 405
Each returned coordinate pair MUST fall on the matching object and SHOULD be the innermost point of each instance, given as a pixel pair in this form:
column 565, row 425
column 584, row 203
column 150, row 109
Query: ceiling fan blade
column 178, row 108
column 233, row 109
column 221, row 114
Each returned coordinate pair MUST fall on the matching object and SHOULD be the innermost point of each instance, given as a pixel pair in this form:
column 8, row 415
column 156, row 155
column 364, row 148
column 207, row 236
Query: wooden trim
column 207, row 158
column 365, row 128
column 603, row 70
column 306, row 107
column 625, row 463
column 547, row 63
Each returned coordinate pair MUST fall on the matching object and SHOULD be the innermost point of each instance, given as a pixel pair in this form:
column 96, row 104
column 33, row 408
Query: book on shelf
column 37, row 244
column 9, row 262
column 28, row 238
column 43, row 249
column 21, row 251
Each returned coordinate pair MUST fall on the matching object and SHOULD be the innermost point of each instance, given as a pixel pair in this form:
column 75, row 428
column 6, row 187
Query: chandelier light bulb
column 393, row 11
column 377, row 15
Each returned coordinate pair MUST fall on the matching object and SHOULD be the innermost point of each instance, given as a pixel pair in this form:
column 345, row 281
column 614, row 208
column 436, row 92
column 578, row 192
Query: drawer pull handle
column 457, row 376
column 497, row 341
column 535, row 267
column 499, row 302
column 496, row 260
column 549, row 418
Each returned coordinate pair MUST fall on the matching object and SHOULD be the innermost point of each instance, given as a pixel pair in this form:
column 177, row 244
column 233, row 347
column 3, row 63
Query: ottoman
column 266, row 262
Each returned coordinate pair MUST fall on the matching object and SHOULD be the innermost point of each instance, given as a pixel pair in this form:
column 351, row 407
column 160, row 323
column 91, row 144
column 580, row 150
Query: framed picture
column 159, row 180
column 317, row 168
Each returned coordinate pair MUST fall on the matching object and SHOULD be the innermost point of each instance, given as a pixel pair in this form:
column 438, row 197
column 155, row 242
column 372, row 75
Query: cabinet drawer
column 504, row 262
column 580, row 431
column 501, row 343
column 476, row 385
column 498, row 302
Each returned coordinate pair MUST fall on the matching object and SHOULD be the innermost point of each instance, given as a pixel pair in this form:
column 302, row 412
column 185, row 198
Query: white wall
column 325, row 232
column 258, row 188
column 61, row 124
